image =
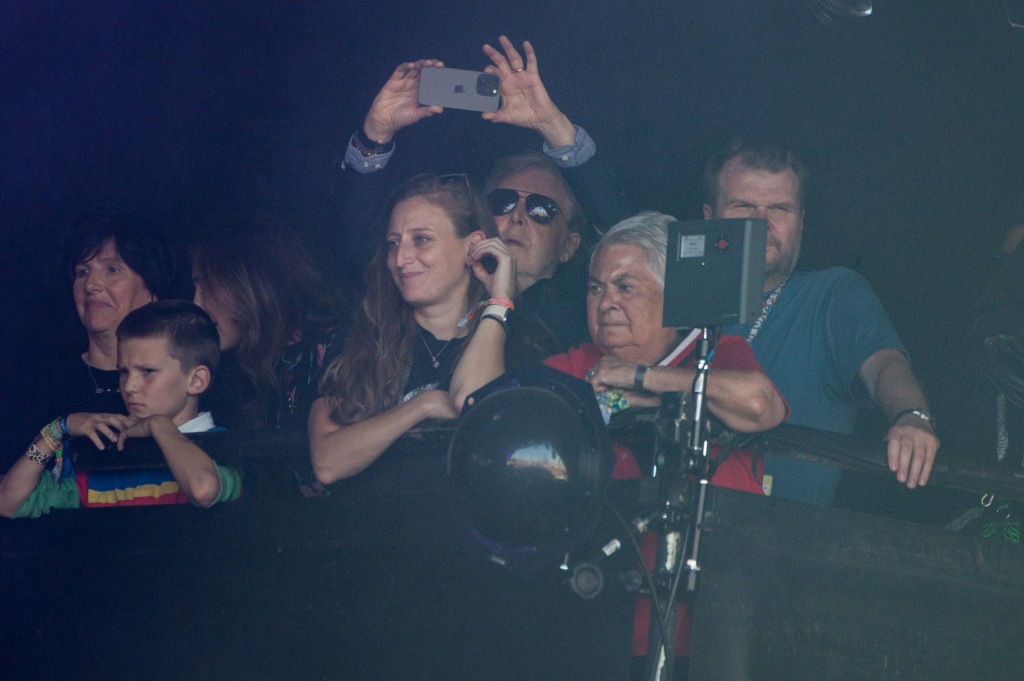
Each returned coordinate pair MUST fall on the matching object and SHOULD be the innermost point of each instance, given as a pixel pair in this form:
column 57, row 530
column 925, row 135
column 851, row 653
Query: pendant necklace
column 99, row 390
column 435, row 359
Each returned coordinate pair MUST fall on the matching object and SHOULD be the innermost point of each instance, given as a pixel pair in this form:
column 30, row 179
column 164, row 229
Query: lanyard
column 679, row 348
column 768, row 303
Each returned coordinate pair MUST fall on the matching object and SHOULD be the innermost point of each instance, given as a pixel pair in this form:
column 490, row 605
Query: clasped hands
column 612, row 373
column 102, row 429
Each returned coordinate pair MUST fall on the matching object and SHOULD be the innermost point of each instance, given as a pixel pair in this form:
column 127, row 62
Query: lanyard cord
column 679, row 348
column 765, row 311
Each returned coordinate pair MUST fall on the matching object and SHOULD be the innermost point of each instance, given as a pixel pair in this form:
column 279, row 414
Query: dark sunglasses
column 541, row 209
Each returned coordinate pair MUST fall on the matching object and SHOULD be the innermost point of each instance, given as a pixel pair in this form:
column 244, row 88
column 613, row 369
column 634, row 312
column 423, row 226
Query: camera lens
column 488, row 85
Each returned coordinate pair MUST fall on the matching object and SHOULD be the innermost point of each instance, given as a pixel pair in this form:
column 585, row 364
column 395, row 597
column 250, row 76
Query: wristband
column 638, row 377
column 51, row 437
column 504, row 302
column 919, row 413
column 36, row 455
column 368, row 147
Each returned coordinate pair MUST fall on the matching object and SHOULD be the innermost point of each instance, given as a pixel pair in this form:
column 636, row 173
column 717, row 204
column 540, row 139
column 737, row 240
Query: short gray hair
column 649, row 231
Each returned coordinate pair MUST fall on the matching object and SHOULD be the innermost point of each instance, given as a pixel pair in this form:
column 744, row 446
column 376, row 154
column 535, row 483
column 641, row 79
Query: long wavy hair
column 366, row 379
column 260, row 269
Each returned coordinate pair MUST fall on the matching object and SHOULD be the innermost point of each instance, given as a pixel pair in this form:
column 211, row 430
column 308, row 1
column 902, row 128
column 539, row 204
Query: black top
column 233, row 399
column 423, row 375
column 57, row 389
column 550, row 317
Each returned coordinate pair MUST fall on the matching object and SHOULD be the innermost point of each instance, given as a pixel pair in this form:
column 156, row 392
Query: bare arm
column 483, row 360
column 18, row 483
column 912, row 443
column 1012, row 240
column 342, row 451
column 744, row 400
column 192, row 468
column 24, row 475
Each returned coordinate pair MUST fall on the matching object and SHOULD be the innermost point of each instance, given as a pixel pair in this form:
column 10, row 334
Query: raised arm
column 397, row 105
column 527, row 104
column 912, row 443
column 362, row 185
column 483, row 360
column 524, row 99
column 340, row 452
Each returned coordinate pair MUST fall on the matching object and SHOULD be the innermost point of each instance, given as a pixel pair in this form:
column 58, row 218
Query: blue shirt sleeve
column 355, row 160
column 573, row 155
column 856, row 328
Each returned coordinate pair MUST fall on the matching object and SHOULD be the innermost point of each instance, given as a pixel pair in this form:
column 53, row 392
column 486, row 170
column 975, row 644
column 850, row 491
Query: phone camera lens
column 488, row 85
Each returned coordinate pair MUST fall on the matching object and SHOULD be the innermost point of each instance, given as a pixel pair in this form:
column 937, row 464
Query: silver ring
column 520, row 70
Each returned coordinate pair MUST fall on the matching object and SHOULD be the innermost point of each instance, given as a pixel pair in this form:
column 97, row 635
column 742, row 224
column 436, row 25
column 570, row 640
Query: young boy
column 167, row 352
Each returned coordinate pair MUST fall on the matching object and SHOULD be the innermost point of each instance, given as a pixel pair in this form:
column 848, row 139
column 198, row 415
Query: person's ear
column 572, row 243
column 708, row 213
column 473, row 239
column 199, row 379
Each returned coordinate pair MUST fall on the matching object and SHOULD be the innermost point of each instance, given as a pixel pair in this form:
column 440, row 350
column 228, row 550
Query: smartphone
column 460, row 89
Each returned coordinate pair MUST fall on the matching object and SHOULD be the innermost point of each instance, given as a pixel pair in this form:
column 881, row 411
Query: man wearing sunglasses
column 536, row 210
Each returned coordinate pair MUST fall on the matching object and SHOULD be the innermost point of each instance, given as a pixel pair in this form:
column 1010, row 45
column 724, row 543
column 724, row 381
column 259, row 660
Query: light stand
column 678, row 529
column 714, row 275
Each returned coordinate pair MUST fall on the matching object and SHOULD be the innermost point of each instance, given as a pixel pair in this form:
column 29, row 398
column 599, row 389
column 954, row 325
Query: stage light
column 528, row 466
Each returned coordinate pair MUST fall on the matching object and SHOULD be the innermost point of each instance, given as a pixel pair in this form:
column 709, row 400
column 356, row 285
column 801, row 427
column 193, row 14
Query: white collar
column 200, row 424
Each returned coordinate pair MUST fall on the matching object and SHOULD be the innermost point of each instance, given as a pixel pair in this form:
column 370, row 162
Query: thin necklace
column 99, row 390
column 435, row 358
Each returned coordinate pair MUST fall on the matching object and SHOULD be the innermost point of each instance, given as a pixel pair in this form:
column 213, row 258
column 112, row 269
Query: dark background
column 910, row 120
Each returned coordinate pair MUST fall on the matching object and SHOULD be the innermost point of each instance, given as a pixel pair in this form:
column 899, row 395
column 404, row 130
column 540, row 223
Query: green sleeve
column 50, row 494
column 230, row 483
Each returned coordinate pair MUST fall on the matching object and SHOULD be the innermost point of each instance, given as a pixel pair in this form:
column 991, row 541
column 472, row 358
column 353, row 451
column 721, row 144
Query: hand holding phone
column 396, row 107
column 460, row 89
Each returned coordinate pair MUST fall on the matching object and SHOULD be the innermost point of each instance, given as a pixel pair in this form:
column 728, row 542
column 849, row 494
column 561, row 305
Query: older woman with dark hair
column 116, row 262
column 278, row 320
column 430, row 331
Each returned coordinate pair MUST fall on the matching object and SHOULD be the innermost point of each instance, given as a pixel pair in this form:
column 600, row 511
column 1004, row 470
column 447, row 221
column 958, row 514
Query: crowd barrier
column 373, row 582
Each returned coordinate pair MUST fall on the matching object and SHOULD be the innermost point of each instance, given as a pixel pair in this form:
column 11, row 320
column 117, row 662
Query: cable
column 661, row 617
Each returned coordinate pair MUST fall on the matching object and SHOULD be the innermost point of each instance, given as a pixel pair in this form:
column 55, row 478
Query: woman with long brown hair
column 430, row 331
column 277, row 318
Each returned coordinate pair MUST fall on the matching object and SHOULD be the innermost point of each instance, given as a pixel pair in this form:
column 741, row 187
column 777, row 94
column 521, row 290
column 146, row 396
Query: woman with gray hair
column 633, row 360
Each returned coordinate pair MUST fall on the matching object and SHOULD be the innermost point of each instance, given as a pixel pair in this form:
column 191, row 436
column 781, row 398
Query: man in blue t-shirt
column 822, row 337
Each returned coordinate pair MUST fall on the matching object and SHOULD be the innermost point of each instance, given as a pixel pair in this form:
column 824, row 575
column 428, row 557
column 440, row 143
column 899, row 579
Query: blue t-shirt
column 821, row 329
